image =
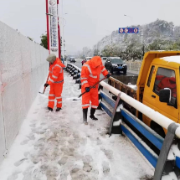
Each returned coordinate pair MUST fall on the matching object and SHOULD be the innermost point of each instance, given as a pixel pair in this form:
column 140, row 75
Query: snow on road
column 57, row 146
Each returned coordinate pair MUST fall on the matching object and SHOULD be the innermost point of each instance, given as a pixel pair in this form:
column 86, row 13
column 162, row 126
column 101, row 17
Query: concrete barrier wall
column 23, row 68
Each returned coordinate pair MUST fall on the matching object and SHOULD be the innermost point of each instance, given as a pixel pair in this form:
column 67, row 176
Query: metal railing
column 167, row 164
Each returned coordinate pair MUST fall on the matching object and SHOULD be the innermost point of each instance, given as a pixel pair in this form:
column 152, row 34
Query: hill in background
column 158, row 35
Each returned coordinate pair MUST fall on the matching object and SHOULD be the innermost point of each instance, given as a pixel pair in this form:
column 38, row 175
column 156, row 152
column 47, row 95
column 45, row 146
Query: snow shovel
column 43, row 91
column 44, row 87
column 92, row 87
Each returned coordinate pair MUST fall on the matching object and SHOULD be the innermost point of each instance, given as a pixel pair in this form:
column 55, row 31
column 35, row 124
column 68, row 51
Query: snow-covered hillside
column 158, row 29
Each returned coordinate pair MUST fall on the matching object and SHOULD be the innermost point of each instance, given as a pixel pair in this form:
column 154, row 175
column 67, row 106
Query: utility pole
column 143, row 43
column 142, row 40
column 47, row 18
column 111, row 41
column 59, row 32
column 143, row 49
column 64, row 49
column 97, row 50
column 63, row 25
column 130, row 18
column 111, row 45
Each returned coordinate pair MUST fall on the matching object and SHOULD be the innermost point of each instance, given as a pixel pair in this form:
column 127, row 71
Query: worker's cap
column 51, row 58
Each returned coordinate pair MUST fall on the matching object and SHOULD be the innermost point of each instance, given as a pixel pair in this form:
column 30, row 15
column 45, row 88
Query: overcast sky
column 87, row 21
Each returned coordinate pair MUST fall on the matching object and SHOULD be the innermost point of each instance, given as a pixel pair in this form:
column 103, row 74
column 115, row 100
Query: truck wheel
column 124, row 72
column 158, row 129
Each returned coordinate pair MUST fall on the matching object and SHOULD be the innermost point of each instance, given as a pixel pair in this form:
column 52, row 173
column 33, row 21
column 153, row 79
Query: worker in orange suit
column 90, row 74
column 56, row 81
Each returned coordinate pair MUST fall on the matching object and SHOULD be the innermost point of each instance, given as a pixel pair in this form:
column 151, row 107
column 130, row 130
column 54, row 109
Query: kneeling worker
column 56, row 81
column 90, row 74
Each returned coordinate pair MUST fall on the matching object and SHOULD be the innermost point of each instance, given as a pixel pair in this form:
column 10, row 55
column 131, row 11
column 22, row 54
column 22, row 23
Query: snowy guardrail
column 167, row 164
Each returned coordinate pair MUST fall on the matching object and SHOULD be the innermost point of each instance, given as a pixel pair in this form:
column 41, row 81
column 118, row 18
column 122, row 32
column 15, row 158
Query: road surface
column 130, row 77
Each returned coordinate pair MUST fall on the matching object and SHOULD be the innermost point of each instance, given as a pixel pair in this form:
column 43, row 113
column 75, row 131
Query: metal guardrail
column 167, row 164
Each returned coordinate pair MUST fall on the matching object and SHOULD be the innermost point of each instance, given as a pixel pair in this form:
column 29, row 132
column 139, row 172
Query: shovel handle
column 82, row 94
column 44, row 90
column 92, row 87
column 46, row 82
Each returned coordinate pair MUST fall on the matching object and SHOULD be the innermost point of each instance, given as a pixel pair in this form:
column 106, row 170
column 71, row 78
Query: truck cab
column 158, row 86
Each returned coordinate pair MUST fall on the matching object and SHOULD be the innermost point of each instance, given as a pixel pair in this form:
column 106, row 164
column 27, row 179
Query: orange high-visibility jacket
column 91, row 70
column 56, row 72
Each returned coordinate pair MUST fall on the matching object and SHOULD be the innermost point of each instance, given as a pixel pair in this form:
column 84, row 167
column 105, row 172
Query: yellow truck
column 158, row 87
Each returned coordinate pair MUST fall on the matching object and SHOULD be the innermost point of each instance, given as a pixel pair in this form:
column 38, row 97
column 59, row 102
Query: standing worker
column 90, row 74
column 83, row 62
column 56, row 81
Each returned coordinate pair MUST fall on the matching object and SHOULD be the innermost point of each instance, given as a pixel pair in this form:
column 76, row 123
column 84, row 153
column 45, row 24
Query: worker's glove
column 108, row 75
column 46, row 85
column 87, row 89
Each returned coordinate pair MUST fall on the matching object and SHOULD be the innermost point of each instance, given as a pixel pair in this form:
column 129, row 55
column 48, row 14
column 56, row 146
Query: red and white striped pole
column 59, row 34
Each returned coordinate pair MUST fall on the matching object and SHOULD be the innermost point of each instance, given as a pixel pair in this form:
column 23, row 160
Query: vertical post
column 59, row 34
column 3, row 133
column 143, row 44
column 111, row 44
column 163, row 166
column 97, row 50
column 47, row 17
column 114, row 114
column 142, row 41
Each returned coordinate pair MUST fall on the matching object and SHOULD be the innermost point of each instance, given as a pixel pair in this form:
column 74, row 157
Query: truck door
column 163, row 78
column 147, row 95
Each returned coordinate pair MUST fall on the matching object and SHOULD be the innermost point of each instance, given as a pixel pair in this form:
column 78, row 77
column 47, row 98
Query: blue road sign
column 128, row 30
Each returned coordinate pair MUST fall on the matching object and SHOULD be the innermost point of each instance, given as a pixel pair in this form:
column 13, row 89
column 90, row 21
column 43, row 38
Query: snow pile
column 58, row 146
column 175, row 59
column 133, row 86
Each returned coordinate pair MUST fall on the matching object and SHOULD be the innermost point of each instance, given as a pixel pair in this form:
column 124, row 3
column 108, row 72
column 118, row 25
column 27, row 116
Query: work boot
column 85, row 123
column 85, row 111
column 58, row 109
column 50, row 109
column 92, row 114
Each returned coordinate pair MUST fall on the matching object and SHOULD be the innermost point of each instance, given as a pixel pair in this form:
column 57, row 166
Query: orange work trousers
column 55, row 93
column 92, row 97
